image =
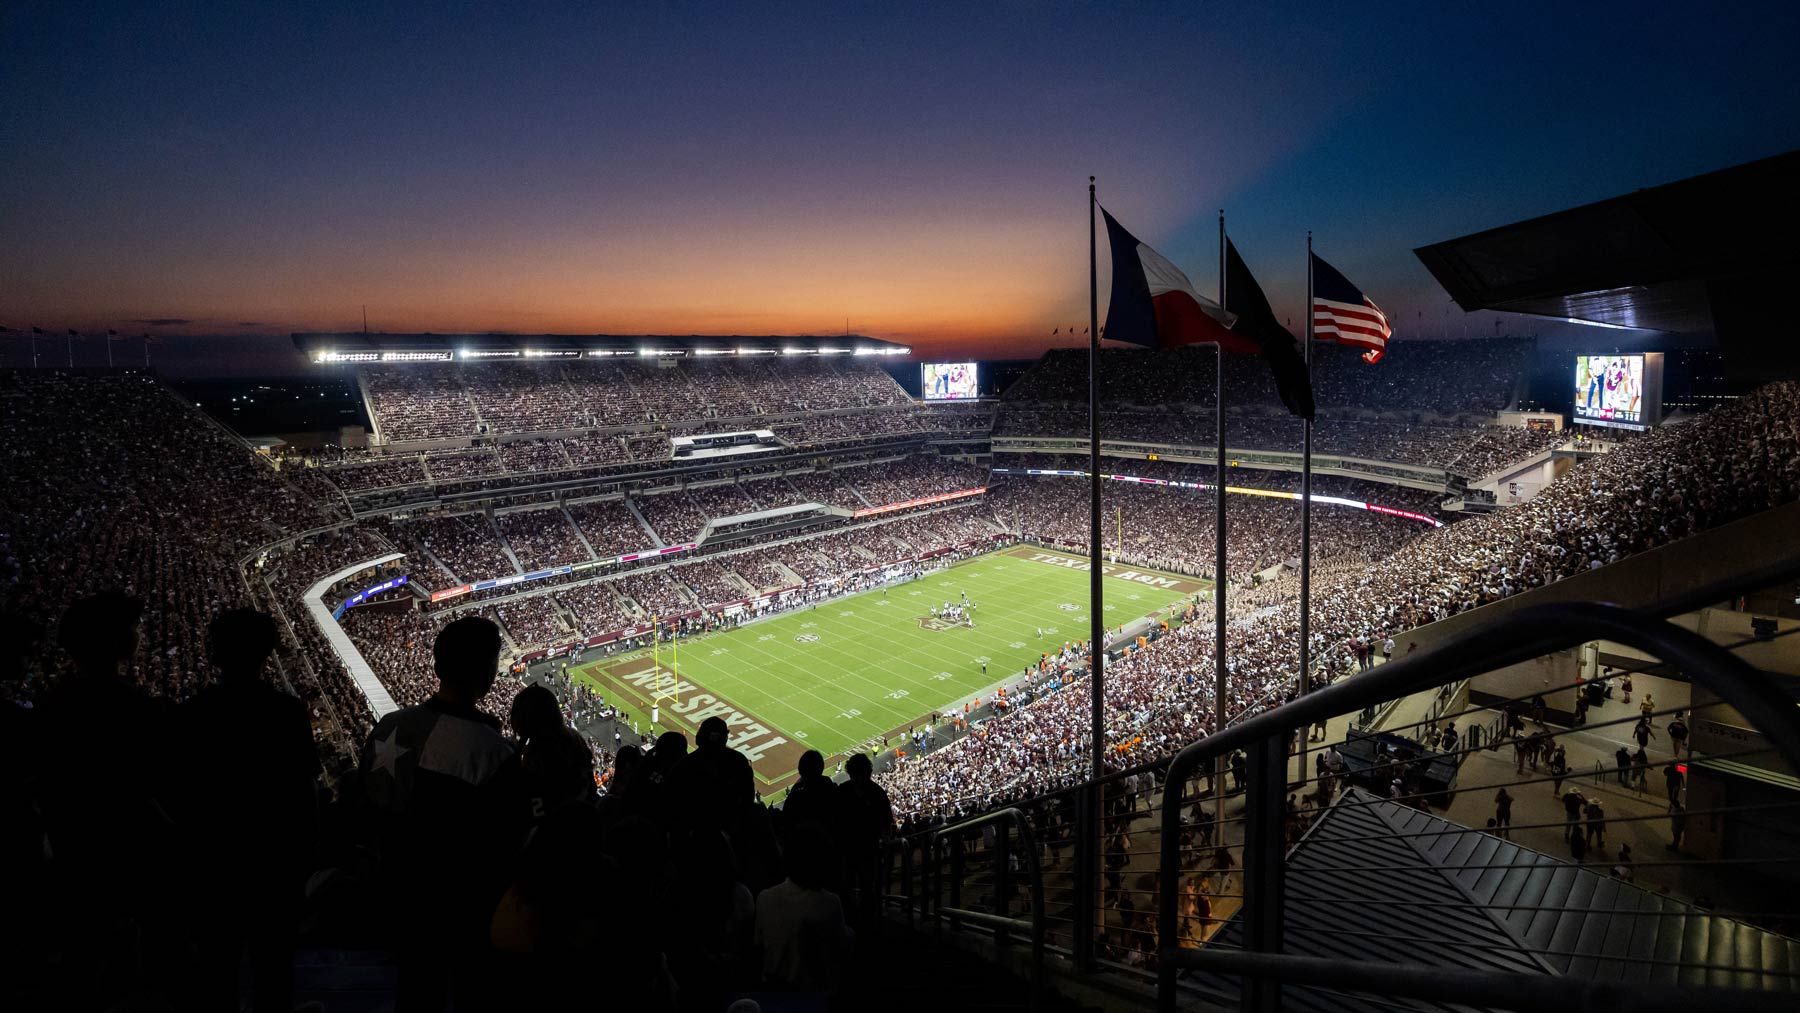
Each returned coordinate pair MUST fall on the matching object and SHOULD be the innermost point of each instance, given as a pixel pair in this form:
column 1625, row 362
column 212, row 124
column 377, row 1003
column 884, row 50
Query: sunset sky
column 915, row 171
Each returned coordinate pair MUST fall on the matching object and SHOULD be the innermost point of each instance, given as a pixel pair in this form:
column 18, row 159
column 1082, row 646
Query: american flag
column 1343, row 314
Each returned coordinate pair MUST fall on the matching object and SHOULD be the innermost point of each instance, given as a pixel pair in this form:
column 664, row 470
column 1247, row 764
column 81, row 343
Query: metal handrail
column 1035, row 926
column 1519, row 636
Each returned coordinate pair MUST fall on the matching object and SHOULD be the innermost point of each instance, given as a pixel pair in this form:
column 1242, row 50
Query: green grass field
column 856, row 668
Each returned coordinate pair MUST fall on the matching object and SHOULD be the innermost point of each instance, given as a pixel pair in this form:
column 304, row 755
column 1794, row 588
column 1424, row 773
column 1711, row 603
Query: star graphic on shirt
column 388, row 752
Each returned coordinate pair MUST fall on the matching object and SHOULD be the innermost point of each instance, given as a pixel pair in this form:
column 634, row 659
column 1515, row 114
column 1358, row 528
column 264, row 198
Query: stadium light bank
column 429, row 348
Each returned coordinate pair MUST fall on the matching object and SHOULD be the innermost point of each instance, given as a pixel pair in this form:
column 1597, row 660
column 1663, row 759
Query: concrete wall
column 1536, row 676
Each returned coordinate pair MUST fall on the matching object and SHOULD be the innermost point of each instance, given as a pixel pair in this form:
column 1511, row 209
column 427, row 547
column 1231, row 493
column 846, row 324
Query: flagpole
column 69, row 345
column 1306, row 517
column 1096, row 619
column 109, row 341
column 1220, row 681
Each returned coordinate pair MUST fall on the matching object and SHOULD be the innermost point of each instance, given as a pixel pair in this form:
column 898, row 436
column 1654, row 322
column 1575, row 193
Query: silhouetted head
column 812, row 763
column 859, row 767
column 713, row 732
column 239, row 641
column 535, row 713
column 670, row 746
column 628, row 760
column 100, row 632
column 466, row 656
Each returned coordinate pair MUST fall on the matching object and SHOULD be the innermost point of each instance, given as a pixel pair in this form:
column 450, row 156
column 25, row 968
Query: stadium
column 580, row 539
column 1189, row 658
column 792, row 543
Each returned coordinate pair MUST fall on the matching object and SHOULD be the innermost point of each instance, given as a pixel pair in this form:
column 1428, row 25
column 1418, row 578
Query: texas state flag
column 1154, row 304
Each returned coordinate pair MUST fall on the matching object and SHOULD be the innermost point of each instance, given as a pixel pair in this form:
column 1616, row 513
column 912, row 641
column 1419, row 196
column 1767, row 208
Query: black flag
column 1255, row 320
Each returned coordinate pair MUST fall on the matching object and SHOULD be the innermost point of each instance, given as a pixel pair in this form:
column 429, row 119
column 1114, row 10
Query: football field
column 853, row 669
column 857, row 668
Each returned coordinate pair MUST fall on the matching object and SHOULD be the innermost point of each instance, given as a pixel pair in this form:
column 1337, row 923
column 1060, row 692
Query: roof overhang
column 1653, row 259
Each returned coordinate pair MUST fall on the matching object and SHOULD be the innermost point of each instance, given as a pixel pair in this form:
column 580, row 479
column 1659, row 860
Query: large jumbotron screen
column 1618, row 389
column 949, row 381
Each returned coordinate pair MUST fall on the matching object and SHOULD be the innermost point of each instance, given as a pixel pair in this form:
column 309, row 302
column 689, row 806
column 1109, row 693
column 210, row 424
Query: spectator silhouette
column 556, row 763
column 800, row 923
column 617, row 801
column 575, row 882
column 717, row 913
column 21, row 820
column 713, row 784
column 813, row 798
column 653, row 791
column 866, row 825
column 251, row 815
column 446, row 815
column 117, row 902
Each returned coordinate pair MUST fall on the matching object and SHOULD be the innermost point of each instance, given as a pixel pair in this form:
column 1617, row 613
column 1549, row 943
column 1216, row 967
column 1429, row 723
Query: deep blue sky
column 914, row 170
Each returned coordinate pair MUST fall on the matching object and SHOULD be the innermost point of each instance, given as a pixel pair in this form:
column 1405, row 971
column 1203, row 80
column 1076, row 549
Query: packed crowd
column 594, row 607
column 609, row 527
column 467, row 545
column 378, row 473
column 457, row 400
column 419, row 402
column 827, row 487
column 711, row 582
column 114, row 482
column 596, row 451
column 470, row 548
column 529, row 627
column 1172, row 528
column 657, row 593
column 1444, row 378
column 542, row 538
column 915, row 478
column 771, row 493
column 1473, row 451
column 679, row 516
column 535, row 455
column 521, row 397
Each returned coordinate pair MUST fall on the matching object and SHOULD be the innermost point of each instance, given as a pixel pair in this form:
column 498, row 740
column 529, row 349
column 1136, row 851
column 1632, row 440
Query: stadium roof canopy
column 1681, row 257
column 358, row 346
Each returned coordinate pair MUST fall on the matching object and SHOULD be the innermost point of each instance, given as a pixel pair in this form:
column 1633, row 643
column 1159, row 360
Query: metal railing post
column 906, row 878
column 1086, row 879
column 935, row 868
column 1000, row 921
column 956, row 877
column 1002, row 881
column 1265, row 855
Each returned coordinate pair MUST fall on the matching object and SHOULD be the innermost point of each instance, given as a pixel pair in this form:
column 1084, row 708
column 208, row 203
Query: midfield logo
column 934, row 623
